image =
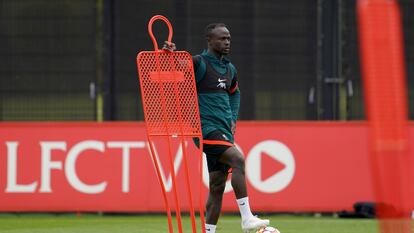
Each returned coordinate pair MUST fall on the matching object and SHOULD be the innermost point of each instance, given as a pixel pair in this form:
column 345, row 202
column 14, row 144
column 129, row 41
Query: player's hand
column 169, row 46
column 233, row 127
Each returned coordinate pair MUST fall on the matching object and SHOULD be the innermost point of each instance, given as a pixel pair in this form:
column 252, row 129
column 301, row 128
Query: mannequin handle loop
column 151, row 22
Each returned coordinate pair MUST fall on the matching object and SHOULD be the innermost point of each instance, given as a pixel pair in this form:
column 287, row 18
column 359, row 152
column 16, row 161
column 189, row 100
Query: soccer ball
column 268, row 230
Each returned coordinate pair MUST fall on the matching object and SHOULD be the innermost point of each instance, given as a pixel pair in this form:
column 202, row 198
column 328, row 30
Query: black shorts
column 214, row 145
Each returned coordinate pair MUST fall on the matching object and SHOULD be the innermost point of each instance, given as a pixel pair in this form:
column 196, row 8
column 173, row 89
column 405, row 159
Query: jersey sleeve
column 234, row 95
column 199, row 68
column 234, row 85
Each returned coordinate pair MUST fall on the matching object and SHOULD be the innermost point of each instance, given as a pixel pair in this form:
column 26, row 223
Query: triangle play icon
column 270, row 166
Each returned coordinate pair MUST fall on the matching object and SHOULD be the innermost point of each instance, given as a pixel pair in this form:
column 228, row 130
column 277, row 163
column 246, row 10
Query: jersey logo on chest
column 221, row 83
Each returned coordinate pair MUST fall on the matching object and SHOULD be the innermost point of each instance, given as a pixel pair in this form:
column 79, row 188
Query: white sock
column 210, row 228
column 244, row 208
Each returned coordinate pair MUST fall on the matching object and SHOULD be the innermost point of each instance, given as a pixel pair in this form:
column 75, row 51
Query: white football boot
column 253, row 224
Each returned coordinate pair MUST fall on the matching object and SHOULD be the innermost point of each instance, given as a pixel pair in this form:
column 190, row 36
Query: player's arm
column 234, row 92
column 199, row 67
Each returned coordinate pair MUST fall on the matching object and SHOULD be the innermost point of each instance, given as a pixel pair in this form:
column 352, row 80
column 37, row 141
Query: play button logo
column 270, row 166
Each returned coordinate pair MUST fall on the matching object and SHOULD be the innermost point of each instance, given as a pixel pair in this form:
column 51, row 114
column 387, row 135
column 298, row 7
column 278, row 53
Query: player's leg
column 234, row 158
column 218, row 173
column 222, row 155
column 215, row 196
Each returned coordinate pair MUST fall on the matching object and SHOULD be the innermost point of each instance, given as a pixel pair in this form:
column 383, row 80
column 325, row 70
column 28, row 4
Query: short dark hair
column 212, row 26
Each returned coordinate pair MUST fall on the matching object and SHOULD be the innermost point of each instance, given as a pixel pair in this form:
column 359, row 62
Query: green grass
column 87, row 223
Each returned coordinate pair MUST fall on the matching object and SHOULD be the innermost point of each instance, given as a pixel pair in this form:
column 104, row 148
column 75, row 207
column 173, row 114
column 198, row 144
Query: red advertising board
column 290, row 166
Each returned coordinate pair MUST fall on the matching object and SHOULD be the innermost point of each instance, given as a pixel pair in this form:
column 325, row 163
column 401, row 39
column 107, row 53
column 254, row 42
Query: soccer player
column 219, row 101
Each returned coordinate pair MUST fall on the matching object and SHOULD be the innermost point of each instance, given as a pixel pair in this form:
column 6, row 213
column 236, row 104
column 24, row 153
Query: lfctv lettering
column 47, row 165
column 270, row 155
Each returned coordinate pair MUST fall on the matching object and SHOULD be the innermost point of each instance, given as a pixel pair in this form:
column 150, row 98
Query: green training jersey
column 218, row 93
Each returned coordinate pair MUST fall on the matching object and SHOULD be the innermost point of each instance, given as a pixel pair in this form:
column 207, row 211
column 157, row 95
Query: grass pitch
column 90, row 223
